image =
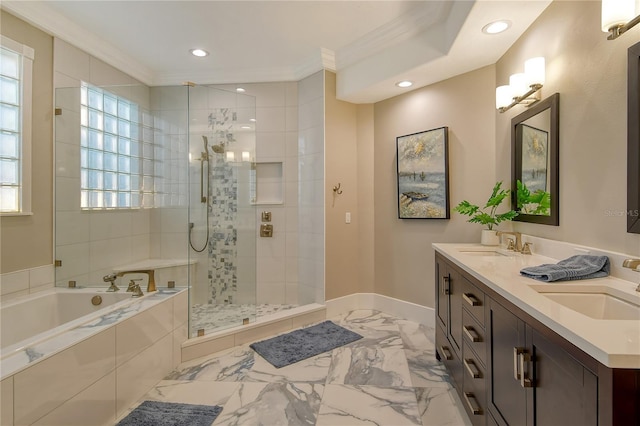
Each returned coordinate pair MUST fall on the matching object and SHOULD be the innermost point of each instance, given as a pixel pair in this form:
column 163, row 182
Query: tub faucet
column 632, row 264
column 151, row 286
column 111, row 278
column 518, row 246
column 136, row 290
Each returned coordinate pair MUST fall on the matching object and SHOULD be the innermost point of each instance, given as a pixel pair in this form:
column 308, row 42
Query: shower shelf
column 154, row 264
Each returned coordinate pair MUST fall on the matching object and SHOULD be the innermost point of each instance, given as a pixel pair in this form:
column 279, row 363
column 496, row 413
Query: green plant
column 480, row 215
column 537, row 202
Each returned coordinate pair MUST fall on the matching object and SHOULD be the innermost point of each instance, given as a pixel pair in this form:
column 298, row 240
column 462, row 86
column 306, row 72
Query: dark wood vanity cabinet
column 513, row 370
column 534, row 381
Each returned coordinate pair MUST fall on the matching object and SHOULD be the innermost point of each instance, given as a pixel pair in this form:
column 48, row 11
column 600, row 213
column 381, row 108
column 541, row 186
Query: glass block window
column 113, row 154
column 16, row 61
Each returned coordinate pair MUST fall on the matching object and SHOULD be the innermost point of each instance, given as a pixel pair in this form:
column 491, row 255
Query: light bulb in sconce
column 230, row 156
column 518, row 83
column 617, row 12
column 504, row 96
column 534, row 69
column 246, row 156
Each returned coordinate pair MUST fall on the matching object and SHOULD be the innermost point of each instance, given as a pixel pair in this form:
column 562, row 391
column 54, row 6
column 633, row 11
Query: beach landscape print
column 423, row 175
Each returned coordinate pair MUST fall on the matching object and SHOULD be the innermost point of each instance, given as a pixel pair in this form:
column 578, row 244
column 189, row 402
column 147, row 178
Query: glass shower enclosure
column 159, row 178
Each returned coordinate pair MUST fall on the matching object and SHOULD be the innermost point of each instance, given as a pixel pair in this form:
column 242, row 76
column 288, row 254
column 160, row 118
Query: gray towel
column 579, row 267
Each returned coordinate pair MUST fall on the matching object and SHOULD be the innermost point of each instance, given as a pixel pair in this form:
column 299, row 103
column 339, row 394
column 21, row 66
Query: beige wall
column 341, row 167
column 404, row 265
column 366, row 196
column 589, row 72
column 27, row 241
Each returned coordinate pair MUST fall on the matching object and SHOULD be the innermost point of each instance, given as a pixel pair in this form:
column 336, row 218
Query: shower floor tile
column 390, row 377
column 212, row 317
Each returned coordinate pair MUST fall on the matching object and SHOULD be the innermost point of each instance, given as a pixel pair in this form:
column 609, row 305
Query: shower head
column 218, row 149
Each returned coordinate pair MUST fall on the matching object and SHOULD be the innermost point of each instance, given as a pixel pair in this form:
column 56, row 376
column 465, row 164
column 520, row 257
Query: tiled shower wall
column 312, row 187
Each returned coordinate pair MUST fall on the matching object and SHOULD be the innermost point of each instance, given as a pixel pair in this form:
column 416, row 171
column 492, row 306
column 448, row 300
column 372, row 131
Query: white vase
column 489, row 238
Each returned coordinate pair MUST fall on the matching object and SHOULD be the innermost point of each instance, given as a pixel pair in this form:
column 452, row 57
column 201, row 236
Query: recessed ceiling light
column 199, row 52
column 252, row 120
column 245, row 127
column 496, row 27
column 240, row 90
column 404, row 83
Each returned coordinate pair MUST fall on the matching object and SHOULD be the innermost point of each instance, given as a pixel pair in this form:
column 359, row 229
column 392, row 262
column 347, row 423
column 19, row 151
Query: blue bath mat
column 304, row 343
column 156, row 413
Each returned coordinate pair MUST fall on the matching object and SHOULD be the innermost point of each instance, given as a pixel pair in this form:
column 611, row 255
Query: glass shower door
column 222, row 216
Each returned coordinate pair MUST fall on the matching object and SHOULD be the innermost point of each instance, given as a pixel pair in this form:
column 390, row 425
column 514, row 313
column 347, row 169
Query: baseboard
column 388, row 305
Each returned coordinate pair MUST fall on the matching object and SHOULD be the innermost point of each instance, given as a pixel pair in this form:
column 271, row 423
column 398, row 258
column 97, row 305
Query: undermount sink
column 485, row 251
column 596, row 303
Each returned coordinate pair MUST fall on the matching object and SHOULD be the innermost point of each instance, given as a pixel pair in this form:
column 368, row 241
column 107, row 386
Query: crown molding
column 57, row 25
column 402, row 28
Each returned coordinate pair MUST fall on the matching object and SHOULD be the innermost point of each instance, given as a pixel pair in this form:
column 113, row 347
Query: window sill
column 8, row 214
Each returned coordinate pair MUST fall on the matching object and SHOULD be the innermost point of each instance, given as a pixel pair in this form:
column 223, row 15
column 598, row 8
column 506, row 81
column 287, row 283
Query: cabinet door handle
column 471, row 334
column 472, row 403
column 471, row 299
column 472, row 369
column 524, row 382
column 516, row 368
column 446, row 353
column 445, row 285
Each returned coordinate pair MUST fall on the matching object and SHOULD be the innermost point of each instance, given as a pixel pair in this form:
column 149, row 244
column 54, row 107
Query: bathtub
column 28, row 319
column 59, row 350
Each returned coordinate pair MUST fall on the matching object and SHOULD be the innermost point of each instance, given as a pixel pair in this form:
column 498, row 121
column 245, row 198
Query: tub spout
column 151, row 286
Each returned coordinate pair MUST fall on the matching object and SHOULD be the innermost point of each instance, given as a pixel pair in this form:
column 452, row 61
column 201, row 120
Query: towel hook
column 337, row 190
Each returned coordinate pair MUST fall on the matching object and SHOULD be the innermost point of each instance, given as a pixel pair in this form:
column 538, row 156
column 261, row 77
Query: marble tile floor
column 213, row 317
column 389, row 378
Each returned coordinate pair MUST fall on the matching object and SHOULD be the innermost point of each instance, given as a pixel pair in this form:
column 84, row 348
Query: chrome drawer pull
column 471, row 401
column 471, row 299
column 472, row 334
column 516, row 354
column 445, row 285
column 446, row 353
column 524, row 382
column 472, row 369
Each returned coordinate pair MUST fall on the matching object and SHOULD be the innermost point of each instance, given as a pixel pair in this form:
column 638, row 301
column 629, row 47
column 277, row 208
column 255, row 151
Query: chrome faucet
column 517, row 235
column 633, row 265
column 151, row 285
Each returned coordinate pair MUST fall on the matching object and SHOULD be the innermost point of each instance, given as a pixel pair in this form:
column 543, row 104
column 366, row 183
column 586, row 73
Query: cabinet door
column 442, row 293
column 455, row 310
column 565, row 392
column 507, row 398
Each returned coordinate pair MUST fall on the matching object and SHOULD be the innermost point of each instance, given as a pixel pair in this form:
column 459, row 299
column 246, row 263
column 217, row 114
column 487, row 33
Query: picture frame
column 423, row 174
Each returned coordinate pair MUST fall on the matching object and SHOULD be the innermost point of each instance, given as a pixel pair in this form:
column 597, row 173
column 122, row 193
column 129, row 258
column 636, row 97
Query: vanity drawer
column 474, row 337
column 473, row 300
column 474, row 394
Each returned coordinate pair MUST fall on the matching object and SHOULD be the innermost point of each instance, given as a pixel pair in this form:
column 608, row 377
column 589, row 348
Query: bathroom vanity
column 519, row 355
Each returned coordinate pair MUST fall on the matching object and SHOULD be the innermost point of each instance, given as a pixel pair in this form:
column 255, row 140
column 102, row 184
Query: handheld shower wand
column 204, row 157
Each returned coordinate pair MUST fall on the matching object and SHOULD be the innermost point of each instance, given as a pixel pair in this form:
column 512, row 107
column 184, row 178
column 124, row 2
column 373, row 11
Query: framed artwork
column 535, row 158
column 423, row 175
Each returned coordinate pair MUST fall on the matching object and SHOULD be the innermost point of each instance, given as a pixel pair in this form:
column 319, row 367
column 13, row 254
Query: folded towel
column 579, row 267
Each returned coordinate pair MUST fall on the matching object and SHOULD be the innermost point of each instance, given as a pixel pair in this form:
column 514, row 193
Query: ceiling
column 371, row 45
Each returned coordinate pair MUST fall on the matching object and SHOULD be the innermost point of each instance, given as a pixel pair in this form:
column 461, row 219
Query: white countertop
column 614, row 343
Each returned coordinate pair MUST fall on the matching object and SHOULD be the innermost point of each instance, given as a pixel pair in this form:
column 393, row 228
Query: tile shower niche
column 267, row 183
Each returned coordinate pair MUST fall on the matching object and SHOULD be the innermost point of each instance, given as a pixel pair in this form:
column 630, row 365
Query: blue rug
column 304, row 343
column 156, row 413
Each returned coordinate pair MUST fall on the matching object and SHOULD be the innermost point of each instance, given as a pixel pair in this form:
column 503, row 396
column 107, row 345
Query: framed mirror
column 534, row 163
column 633, row 141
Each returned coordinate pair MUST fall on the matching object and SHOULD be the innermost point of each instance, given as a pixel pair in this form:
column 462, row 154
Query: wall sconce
column 524, row 88
column 618, row 17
